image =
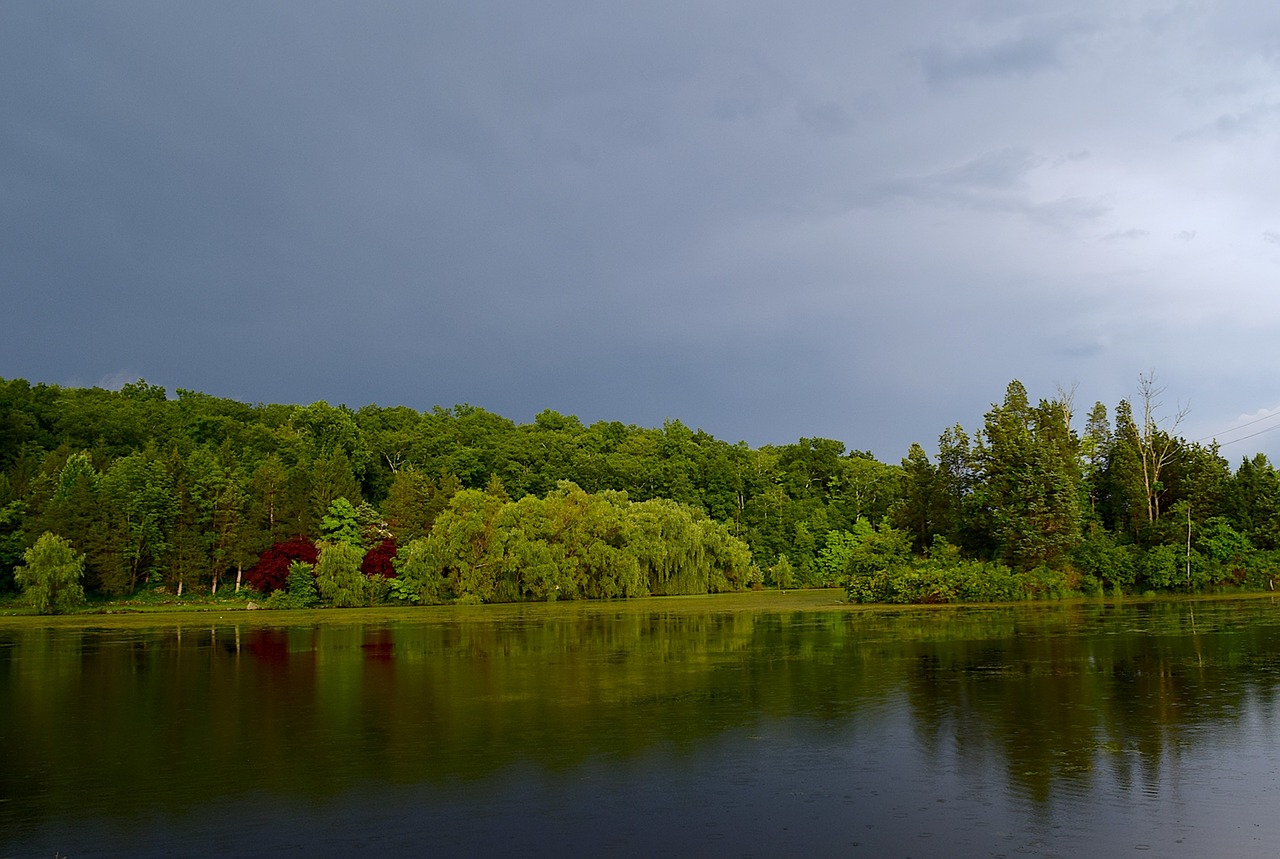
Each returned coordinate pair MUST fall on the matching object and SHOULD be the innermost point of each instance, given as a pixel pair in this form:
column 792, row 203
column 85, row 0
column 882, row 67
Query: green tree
column 50, row 575
column 331, row 478
column 863, row 487
column 728, row 559
column 268, row 487
column 1095, row 447
column 70, row 502
column 420, row 572
column 409, row 506
column 918, row 509
column 1217, row 540
column 466, row 543
column 1028, row 474
column 833, row 560
column 873, row 559
column 1253, row 502
column 783, row 574
column 341, row 523
column 338, row 576
column 231, row 534
column 1119, row 488
column 301, row 584
column 12, row 540
column 1098, row 555
column 142, row 494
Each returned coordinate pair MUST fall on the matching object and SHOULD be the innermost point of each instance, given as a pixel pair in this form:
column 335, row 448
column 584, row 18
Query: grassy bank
column 150, row 609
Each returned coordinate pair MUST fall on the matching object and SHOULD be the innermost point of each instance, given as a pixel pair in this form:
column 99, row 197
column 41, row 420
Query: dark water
column 1094, row 730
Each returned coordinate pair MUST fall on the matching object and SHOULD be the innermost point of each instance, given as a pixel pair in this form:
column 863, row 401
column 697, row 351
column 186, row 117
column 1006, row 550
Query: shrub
column 272, row 570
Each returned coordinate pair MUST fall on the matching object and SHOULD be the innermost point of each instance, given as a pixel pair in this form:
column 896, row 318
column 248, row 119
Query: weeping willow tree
column 338, row 575
column 570, row 544
column 50, row 575
column 420, row 570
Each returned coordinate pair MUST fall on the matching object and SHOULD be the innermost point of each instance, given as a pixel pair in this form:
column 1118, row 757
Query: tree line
column 194, row 493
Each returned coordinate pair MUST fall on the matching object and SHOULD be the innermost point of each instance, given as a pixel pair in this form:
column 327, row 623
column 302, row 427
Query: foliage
column 301, row 584
column 569, row 545
column 1163, row 567
column 782, row 574
column 378, row 560
column 12, row 540
column 833, row 561
column 420, row 573
column 934, row 581
column 340, row 523
column 50, row 575
column 141, row 492
column 338, row 576
column 299, row 590
column 1028, row 467
column 271, row 572
column 1097, row 555
column 186, row 492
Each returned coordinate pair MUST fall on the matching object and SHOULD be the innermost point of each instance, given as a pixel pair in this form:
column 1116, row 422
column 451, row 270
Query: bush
column 1260, row 571
column 301, row 584
column 271, row 573
column 951, row 579
column 299, row 590
column 1098, row 556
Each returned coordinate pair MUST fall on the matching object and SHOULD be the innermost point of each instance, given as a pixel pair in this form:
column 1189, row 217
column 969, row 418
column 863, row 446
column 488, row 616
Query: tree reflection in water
column 995, row 709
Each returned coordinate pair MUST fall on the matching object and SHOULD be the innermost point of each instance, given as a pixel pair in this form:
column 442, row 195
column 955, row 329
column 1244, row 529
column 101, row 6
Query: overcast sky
column 856, row 220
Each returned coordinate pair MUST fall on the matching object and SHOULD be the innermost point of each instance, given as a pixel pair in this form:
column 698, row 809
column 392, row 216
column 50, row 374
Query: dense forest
column 193, row 494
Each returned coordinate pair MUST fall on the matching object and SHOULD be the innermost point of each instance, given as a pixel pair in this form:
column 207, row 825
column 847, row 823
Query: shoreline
column 768, row 601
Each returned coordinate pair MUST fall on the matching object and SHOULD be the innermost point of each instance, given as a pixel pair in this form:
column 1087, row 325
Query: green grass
column 155, row 608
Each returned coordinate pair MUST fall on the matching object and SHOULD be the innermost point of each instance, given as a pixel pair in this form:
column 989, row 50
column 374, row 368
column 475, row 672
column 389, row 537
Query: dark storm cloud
column 853, row 220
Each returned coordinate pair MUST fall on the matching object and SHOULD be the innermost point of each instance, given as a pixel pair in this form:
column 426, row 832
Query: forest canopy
column 193, row 493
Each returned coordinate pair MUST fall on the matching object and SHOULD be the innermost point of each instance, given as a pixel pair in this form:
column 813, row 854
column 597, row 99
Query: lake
column 742, row 725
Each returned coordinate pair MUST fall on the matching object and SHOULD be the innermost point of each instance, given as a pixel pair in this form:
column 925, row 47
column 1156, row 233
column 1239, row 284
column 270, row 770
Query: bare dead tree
column 395, row 460
column 1066, row 399
column 1156, row 447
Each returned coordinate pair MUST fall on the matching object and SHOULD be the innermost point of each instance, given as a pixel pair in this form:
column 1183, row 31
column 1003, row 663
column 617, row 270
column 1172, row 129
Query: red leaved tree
column 272, row 569
column 377, row 561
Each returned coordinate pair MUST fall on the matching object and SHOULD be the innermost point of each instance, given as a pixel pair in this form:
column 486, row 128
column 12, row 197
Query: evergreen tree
column 1028, row 470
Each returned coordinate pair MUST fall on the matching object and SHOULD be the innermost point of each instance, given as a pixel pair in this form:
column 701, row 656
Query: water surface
column 660, row 727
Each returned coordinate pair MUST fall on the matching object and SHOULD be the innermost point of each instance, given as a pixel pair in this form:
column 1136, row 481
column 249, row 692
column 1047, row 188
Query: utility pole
column 1188, row 548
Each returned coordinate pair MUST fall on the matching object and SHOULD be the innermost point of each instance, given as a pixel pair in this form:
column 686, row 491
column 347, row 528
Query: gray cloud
column 1124, row 235
column 1250, row 122
column 854, row 220
column 1021, row 56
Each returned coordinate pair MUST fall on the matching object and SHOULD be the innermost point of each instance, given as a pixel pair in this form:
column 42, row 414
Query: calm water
column 659, row 729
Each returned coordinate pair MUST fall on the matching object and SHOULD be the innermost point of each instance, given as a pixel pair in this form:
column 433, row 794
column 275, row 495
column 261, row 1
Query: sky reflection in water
column 1071, row 730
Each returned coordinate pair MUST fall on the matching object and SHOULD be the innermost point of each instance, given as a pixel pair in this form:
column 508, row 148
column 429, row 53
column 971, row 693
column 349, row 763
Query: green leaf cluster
column 50, row 575
column 568, row 544
column 338, row 576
